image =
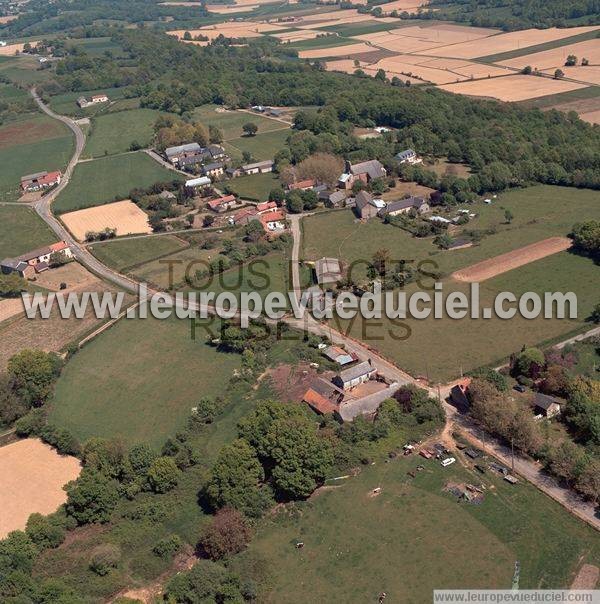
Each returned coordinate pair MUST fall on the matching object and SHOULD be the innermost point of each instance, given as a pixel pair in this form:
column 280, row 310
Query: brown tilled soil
column 587, row 577
column 507, row 262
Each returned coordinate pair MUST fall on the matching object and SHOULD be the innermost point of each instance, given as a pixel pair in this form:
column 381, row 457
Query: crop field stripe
column 521, row 52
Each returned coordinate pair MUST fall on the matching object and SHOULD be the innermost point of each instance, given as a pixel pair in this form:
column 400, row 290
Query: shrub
column 227, row 534
column 163, row 475
column 168, row 546
column 104, row 558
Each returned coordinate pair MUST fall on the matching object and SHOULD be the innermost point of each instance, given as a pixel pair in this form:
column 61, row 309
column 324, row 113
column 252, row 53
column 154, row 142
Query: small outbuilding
column 546, row 406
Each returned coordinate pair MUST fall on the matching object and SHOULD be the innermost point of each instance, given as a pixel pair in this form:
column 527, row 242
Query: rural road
column 526, row 468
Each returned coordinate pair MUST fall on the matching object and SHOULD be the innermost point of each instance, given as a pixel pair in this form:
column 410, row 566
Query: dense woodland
column 518, row 14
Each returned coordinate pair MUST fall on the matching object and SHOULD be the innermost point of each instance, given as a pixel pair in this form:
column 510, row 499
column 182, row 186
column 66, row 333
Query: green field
column 95, row 47
column 414, row 537
column 231, row 122
column 328, row 42
column 262, row 146
column 31, row 144
column 21, row 230
column 125, row 253
column 66, row 103
column 139, row 381
column 255, row 187
column 443, row 348
column 108, row 179
column 24, row 70
column 115, row 132
column 539, row 212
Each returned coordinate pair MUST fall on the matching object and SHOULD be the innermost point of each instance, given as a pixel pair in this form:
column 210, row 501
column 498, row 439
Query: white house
column 408, row 156
column 198, row 183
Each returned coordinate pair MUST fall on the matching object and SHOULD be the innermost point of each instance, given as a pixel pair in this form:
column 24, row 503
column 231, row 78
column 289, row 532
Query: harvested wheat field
column 12, row 49
column 72, row 274
column 556, row 57
column 466, row 69
column 589, row 74
column 397, row 43
column 409, row 6
column 512, row 88
column 10, row 307
column 124, row 216
column 225, row 9
column 297, row 36
column 335, row 51
column 509, row 41
column 593, row 117
column 229, row 30
column 33, row 476
column 481, row 271
column 8, row 19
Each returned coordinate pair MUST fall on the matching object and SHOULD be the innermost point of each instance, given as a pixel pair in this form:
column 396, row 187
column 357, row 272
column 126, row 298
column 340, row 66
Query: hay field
column 297, row 36
column 487, row 269
column 10, row 307
column 509, row 41
column 229, row 30
column 589, row 74
column 556, row 57
column 410, row 6
column 12, row 49
column 593, row 117
column 8, row 19
column 124, row 216
column 512, row 88
column 33, row 476
column 225, row 9
column 336, row 51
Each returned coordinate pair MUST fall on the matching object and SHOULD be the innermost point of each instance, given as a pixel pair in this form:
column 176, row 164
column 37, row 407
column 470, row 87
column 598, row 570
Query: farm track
column 525, row 467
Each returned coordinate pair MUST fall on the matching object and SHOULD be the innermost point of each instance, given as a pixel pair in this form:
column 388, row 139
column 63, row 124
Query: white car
column 448, row 461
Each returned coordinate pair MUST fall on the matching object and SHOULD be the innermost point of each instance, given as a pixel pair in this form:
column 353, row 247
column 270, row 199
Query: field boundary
column 492, row 267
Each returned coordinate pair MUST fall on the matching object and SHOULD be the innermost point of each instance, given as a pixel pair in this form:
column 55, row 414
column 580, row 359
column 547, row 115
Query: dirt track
column 507, row 262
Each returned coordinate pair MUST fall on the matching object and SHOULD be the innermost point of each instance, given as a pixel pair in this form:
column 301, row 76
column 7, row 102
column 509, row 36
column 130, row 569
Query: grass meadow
column 121, row 254
column 113, row 133
column 21, row 230
column 138, row 381
column 414, row 538
column 261, row 147
column 31, row 144
column 254, row 187
column 109, row 179
column 231, row 122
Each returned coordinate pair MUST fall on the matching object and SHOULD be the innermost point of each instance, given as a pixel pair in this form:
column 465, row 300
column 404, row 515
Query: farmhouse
column 40, row 181
column 328, row 270
column 546, row 406
column 365, row 171
column 94, row 100
column 244, row 216
column 273, row 221
column 339, row 355
column 366, row 206
column 332, row 199
column 458, row 394
column 266, row 206
column 176, row 154
column 36, row 261
column 408, row 157
column 403, row 206
column 350, row 378
column 222, row 204
column 301, row 185
column 260, row 167
column 214, row 169
column 198, row 183
column 323, row 396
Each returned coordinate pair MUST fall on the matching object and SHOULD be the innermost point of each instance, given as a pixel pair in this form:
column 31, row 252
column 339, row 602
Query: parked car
column 520, row 388
column 448, row 461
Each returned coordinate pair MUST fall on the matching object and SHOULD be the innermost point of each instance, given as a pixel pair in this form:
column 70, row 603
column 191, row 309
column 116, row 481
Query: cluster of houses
column 209, row 161
column 40, row 181
column 95, row 99
column 335, row 395
column 37, row 261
